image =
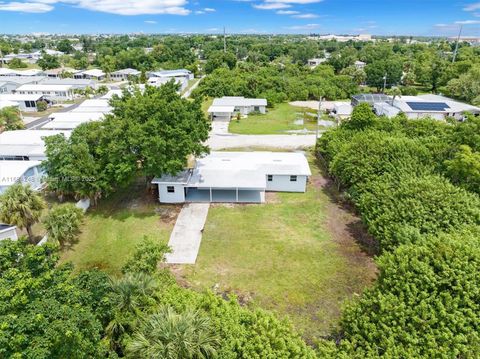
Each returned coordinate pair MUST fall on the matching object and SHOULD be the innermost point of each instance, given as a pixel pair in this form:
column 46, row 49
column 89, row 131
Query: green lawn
column 112, row 230
column 277, row 120
column 294, row 255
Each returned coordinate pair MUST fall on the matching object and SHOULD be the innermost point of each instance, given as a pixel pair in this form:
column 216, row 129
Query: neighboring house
column 94, row 74
column 360, row 65
column 124, row 74
column 341, row 110
column 370, row 98
column 8, row 84
column 58, row 73
column 11, row 72
column 25, row 145
column 51, row 92
column 181, row 77
column 434, row 106
column 226, row 107
column 27, row 172
column 26, row 103
column 8, row 232
column 315, row 62
column 71, row 120
column 241, row 177
column 96, row 105
column 80, row 84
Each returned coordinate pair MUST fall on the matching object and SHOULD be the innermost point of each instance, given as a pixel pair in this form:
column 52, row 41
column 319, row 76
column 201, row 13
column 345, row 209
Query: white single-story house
column 159, row 81
column 124, row 74
column 8, row 232
column 11, row 72
column 70, row 120
column 434, row 106
column 8, row 84
column 112, row 93
column 51, row 92
column 239, row 177
column 27, row 172
column 181, row 73
column 316, row 62
column 57, row 73
column 94, row 74
column 94, row 105
column 25, row 145
column 221, row 108
column 75, row 83
column 359, row 65
column 341, row 110
column 26, row 103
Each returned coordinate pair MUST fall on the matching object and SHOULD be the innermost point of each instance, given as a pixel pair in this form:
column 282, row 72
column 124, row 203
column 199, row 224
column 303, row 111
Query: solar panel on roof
column 428, row 106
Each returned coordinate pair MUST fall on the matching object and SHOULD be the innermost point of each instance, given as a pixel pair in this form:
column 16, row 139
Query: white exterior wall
column 10, row 233
column 282, row 183
column 245, row 110
column 418, row 115
column 177, row 197
column 53, row 95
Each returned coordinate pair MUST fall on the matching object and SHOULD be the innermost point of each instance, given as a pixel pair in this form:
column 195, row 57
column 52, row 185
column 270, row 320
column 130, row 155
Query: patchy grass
column 295, row 255
column 277, row 120
column 206, row 105
column 113, row 229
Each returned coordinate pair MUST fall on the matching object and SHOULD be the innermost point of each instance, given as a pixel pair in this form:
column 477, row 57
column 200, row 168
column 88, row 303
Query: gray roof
column 22, row 80
column 239, row 101
column 127, row 72
column 371, row 98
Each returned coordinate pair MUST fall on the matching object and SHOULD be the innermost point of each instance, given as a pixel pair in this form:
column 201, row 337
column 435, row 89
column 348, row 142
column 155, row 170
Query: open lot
column 295, row 255
column 277, row 120
column 112, row 230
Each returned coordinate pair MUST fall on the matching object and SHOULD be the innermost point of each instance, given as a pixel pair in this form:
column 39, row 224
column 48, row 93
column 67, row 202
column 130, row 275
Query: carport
column 225, row 195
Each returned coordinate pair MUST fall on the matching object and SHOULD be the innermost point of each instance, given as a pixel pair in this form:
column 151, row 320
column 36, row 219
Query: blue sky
column 381, row 17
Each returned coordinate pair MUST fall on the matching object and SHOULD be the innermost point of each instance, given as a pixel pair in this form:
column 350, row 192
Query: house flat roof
column 239, row 101
column 20, row 97
column 76, row 116
column 44, row 87
column 21, row 80
column 25, row 142
column 214, row 108
column 93, row 72
column 127, row 72
column 243, row 170
column 171, row 73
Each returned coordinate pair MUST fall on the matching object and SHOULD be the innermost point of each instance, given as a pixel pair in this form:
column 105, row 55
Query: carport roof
column 227, row 109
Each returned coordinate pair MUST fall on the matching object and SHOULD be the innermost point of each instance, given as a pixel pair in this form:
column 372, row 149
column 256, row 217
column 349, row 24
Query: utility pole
column 1, row 58
column 384, row 82
column 319, row 116
column 224, row 40
column 456, row 45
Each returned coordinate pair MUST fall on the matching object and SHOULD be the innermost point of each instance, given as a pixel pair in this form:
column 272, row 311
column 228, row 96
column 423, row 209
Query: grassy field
column 295, row 255
column 112, row 230
column 277, row 120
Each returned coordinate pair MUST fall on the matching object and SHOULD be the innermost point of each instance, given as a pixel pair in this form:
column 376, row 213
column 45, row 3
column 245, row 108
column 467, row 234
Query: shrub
column 63, row 223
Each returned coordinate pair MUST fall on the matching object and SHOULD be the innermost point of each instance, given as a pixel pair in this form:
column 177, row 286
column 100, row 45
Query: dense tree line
column 140, row 314
column 410, row 183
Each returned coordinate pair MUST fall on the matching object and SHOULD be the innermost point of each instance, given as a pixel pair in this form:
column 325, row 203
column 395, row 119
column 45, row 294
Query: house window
column 293, row 178
column 269, row 178
column 170, row 189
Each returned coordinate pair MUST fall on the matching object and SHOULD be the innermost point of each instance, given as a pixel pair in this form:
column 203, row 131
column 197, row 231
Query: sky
column 377, row 17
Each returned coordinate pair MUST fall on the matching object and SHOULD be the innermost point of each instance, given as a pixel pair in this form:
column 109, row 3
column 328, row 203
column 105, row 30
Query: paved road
column 187, row 234
column 43, row 120
column 220, row 138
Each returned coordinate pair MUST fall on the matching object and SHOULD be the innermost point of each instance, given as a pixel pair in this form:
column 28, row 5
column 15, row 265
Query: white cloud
column 300, row 2
column 209, row 9
column 287, row 12
column 305, row 16
column 271, row 6
column 124, row 7
column 467, row 22
column 472, row 7
column 150, row 22
column 32, row 7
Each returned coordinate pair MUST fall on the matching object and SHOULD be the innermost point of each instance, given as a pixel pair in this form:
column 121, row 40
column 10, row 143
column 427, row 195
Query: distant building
column 316, row 62
column 50, row 92
column 359, row 65
column 125, row 74
column 94, row 74
column 370, row 98
column 223, row 109
column 433, row 106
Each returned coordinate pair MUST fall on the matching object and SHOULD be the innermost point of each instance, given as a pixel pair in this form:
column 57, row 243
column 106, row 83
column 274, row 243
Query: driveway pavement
column 187, row 234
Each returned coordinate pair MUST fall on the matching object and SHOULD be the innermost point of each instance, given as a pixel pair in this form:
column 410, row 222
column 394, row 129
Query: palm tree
column 20, row 205
column 172, row 335
column 10, row 119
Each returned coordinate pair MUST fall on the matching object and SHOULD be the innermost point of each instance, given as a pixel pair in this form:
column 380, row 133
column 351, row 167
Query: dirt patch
column 168, row 213
column 271, row 198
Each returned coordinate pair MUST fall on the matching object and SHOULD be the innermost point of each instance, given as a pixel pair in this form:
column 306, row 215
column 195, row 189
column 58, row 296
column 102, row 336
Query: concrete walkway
column 187, row 234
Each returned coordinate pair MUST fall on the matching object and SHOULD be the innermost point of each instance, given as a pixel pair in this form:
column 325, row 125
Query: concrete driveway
column 187, row 234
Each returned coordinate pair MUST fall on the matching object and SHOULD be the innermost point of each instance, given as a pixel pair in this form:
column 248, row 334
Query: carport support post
column 211, row 198
column 237, row 193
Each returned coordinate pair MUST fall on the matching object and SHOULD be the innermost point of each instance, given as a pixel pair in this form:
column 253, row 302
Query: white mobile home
column 27, row 172
column 94, row 74
column 26, row 103
column 239, row 177
column 125, row 74
column 8, row 232
column 75, row 83
column 94, row 105
column 51, row 92
column 70, row 120
column 220, row 109
column 25, row 145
